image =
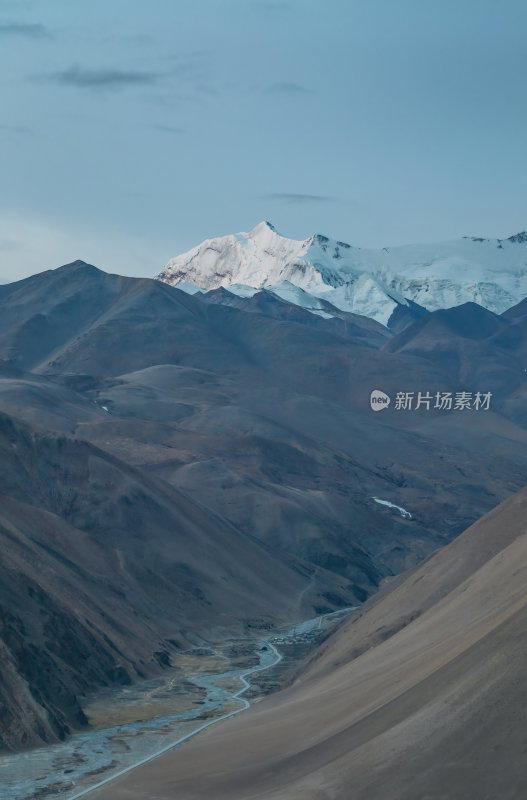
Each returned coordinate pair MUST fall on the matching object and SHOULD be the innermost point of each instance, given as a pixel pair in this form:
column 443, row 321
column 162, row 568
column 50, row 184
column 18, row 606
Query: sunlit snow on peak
column 491, row 272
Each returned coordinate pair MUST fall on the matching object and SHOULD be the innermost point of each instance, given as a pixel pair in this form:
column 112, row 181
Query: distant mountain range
column 392, row 285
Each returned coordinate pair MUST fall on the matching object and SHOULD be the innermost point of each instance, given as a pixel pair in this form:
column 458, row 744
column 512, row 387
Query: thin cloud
column 188, row 76
column 299, row 198
column 169, row 129
column 288, row 87
column 85, row 78
column 17, row 130
column 30, row 30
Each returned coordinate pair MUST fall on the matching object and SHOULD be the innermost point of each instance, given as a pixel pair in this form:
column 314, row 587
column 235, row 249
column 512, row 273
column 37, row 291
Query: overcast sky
column 130, row 131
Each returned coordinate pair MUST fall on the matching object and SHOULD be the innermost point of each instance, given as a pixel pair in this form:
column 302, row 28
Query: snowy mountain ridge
column 491, row 272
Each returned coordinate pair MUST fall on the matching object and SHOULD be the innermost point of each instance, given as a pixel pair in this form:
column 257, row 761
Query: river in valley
column 133, row 725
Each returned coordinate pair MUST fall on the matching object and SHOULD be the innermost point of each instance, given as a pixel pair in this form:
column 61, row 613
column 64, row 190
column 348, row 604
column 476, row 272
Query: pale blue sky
column 130, row 131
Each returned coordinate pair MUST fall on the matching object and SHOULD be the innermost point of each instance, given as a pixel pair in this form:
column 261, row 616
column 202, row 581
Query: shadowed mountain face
column 358, row 329
column 468, row 321
column 478, row 348
column 105, row 572
column 420, row 696
column 221, row 459
column 517, row 311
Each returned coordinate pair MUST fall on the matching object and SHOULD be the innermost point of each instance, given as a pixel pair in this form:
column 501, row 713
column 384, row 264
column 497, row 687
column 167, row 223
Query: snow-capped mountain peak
column 257, row 258
column 491, row 272
column 262, row 258
column 262, row 228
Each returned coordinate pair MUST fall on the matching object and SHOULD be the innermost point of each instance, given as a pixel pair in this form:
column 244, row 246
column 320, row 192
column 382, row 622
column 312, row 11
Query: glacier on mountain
column 374, row 283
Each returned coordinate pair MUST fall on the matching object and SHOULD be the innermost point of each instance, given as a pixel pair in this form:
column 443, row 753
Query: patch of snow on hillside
column 403, row 512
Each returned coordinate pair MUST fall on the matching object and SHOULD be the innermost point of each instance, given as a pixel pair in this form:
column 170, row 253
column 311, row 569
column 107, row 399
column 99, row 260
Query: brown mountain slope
column 421, row 697
column 266, row 420
column 105, row 571
column 477, row 348
column 356, row 328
